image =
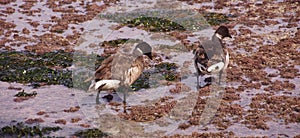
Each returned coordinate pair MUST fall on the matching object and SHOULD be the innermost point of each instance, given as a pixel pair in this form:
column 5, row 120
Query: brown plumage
column 103, row 72
column 119, row 71
column 112, row 69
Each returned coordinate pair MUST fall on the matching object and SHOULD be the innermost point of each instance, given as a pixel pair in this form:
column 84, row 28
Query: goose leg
column 220, row 77
column 124, row 102
column 124, row 98
column 197, row 73
column 97, row 97
column 124, row 90
column 198, row 87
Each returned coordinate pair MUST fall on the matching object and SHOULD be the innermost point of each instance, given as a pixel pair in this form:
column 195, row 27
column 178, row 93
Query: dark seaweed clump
column 90, row 133
column 27, row 67
column 114, row 43
column 165, row 69
column 168, row 70
column 24, row 94
column 155, row 24
column 141, row 82
column 215, row 18
column 21, row 130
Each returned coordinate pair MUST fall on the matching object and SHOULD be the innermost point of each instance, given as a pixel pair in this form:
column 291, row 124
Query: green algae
column 85, row 65
column 25, row 94
column 90, row 133
column 159, row 19
column 142, row 82
column 215, row 18
column 168, row 71
column 27, row 67
column 166, row 66
column 165, row 71
column 155, row 24
column 21, row 130
column 114, row 43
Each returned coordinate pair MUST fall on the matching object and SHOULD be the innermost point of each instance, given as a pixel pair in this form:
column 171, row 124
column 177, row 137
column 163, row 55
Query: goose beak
column 149, row 55
column 227, row 37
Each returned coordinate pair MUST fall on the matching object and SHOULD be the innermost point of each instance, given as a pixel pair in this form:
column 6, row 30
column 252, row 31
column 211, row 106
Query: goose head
column 143, row 48
column 222, row 32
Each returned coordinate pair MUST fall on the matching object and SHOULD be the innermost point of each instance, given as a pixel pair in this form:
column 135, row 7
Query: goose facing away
column 119, row 71
column 212, row 56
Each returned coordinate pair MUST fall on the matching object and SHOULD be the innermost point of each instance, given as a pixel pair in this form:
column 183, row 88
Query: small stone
column 61, row 121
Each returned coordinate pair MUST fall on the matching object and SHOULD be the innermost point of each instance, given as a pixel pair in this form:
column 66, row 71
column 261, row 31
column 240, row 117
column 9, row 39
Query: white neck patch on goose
column 138, row 49
column 219, row 36
column 226, row 60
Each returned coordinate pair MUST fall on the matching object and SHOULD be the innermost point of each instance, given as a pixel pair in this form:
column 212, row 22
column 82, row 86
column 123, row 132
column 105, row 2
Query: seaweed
column 27, row 67
column 215, row 18
column 90, row 133
column 141, row 82
column 168, row 70
column 21, row 130
column 115, row 43
column 24, row 94
column 155, row 24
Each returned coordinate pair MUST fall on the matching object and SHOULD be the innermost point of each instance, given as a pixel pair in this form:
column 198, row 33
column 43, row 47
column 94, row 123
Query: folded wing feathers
column 134, row 72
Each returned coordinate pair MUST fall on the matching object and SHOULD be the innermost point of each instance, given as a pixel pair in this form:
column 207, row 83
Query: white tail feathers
column 107, row 84
column 216, row 67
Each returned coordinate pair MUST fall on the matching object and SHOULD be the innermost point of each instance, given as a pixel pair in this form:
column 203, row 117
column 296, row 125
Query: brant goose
column 209, row 56
column 120, row 70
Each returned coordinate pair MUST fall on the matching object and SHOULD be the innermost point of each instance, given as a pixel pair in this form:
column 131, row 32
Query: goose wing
column 104, row 71
column 135, row 70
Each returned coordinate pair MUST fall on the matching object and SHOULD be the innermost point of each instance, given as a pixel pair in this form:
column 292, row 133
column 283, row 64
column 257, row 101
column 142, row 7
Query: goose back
column 118, row 69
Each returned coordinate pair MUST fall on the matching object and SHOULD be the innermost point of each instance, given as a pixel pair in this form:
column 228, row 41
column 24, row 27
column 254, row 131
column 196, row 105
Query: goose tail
column 92, row 86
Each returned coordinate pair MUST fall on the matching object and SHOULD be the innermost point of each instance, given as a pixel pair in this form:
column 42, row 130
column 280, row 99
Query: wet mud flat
column 261, row 98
